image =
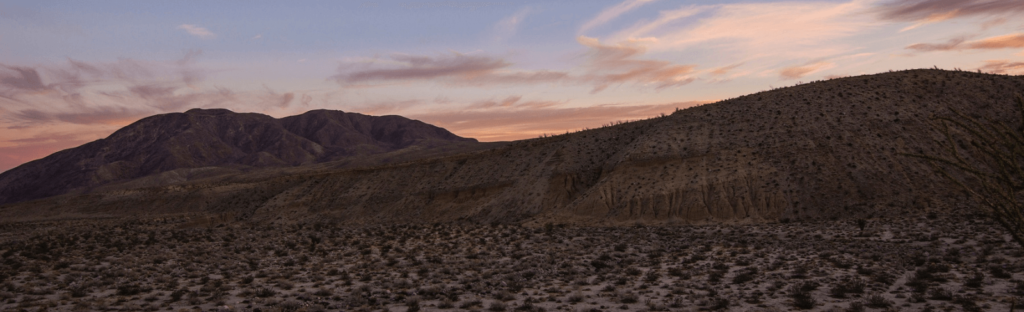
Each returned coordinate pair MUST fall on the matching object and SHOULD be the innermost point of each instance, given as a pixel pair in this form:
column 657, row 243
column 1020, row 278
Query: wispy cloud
column 724, row 69
column 197, row 31
column 508, row 26
column 618, row 64
column 116, row 93
column 1003, row 67
column 929, row 11
column 512, row 102
column 992, row 43
column 763, row 30
column 949, row 45
column 20, row 79
column 611, row 13
column 454, row 68
column 795, row 72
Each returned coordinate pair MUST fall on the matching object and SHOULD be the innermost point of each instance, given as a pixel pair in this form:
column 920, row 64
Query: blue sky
column 75, row 71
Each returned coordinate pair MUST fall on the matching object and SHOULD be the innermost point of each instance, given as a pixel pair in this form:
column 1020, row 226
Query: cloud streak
column 992, row 43
column 618, row 64
column 611, row 13
column 508, row 26
column 1003, row 67
column 796, row 72
column 454, row 68
column 939, row 10
column 746, row 30
column 197, row 31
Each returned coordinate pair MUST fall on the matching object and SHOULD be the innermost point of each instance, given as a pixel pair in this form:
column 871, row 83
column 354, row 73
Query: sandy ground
column 943, row 263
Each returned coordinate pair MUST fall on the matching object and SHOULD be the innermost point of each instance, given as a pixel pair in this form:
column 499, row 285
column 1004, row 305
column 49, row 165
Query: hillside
column 828, row 149
column 204, row 143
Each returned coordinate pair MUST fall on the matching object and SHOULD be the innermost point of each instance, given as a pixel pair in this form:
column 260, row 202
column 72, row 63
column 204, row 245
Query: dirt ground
column 936, row 263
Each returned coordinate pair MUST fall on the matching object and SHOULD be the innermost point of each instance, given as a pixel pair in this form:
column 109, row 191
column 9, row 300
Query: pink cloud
column 795, row 72
column 617, row 64
column 936, row 10
column 512, row 102
column 453, row 68
column 1002, row 67
column 992, row 43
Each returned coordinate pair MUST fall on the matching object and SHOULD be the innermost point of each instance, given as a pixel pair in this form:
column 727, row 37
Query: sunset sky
column 75, row 71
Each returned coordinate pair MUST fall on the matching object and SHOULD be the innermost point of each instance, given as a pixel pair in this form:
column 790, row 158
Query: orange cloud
column 1003, row 67
column 512, row 102
column 991, row 43
column 952, row 44
column 619, row 64
column 1000, row 42
column 724, row 69
column 795, row 72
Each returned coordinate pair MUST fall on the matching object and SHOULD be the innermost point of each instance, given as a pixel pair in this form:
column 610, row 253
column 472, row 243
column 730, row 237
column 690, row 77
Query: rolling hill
column 828, row 149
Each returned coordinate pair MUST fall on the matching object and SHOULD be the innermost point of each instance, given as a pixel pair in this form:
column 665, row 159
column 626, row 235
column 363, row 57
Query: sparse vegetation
column 662, row 268
column 986, row 159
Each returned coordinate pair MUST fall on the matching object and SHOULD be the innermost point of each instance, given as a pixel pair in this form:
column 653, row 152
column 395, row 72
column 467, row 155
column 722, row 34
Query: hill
column 202, row 143
column 829, row 149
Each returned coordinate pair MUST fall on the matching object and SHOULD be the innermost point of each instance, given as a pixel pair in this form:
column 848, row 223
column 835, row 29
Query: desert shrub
column 878, row 301
column 131, row 289
column 940, row 293
column 744, row 276
column 998, row 272
column 575, row 298
column 412, row 304
column 497, row 306
column 718, row 304
column 446, row 304
column 855, row 306
column 264, row 292
column 470, row 303
column 975, row 280
column 628, row 297
column 967, row 303
column 652, row 276
column 853, row 286
column 801, row 295
column 289, row 306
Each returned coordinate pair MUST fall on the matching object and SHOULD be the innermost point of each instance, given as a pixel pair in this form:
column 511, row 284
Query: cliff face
column 827, row 149
column 217, row 141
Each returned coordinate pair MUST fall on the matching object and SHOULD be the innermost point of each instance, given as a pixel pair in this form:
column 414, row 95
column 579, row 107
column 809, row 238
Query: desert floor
column 941, row 263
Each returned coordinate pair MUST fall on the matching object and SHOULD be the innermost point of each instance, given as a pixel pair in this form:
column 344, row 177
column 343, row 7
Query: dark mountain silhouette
column 822, row 150
column 216, row 142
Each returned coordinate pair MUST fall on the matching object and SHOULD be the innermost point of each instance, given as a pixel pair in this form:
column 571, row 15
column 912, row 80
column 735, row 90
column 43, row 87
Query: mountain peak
column 209, row 111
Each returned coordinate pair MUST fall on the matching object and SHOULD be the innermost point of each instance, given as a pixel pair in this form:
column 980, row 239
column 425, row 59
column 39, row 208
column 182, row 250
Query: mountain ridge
column 201, row 138
column 822, row 150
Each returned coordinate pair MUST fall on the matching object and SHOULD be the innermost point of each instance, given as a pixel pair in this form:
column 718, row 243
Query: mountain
column 216, row 142
column 827, row 149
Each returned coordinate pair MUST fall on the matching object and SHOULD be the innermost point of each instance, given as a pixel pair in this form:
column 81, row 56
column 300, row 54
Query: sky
column 76, row 71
